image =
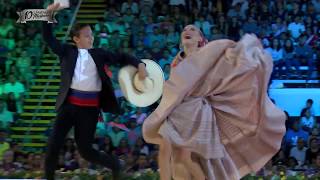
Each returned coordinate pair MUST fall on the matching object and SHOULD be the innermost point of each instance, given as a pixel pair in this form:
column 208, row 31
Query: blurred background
column 29, row 75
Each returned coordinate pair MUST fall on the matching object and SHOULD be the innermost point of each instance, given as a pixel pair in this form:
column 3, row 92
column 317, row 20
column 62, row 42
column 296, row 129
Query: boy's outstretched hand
column 142, row 72
column 54, row 7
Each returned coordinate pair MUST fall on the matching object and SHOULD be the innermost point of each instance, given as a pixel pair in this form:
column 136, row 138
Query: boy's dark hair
column 75, row 31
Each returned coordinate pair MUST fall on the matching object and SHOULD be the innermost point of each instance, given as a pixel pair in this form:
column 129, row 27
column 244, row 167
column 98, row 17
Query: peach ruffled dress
column 215, row 104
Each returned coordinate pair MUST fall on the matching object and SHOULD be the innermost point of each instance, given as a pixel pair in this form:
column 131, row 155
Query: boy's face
column 85, row 39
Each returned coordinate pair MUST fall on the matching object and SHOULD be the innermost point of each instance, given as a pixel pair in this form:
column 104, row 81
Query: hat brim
column 141, row 99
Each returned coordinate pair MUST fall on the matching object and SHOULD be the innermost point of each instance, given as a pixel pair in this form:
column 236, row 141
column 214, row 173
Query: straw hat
column 142, row 93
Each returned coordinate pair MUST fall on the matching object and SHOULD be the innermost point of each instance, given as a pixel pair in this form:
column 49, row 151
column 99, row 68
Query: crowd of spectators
column 289, row 31
column 21, row 47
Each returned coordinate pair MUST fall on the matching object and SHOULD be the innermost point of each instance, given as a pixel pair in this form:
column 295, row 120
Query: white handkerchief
column 63, row 3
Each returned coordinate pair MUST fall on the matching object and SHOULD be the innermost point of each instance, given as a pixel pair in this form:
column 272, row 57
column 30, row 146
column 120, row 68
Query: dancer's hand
column 142, row 72
column 54, row 7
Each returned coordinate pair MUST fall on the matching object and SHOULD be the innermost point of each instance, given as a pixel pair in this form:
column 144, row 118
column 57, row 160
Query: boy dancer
column 85, row 89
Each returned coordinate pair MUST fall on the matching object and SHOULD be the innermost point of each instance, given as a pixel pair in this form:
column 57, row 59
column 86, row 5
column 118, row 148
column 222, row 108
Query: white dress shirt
column 86, row 77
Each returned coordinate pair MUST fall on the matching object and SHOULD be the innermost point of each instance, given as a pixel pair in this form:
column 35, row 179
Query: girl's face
column 190, row 35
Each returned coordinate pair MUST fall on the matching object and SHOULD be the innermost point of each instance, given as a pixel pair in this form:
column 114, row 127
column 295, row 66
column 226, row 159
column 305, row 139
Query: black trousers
column 84, row 120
